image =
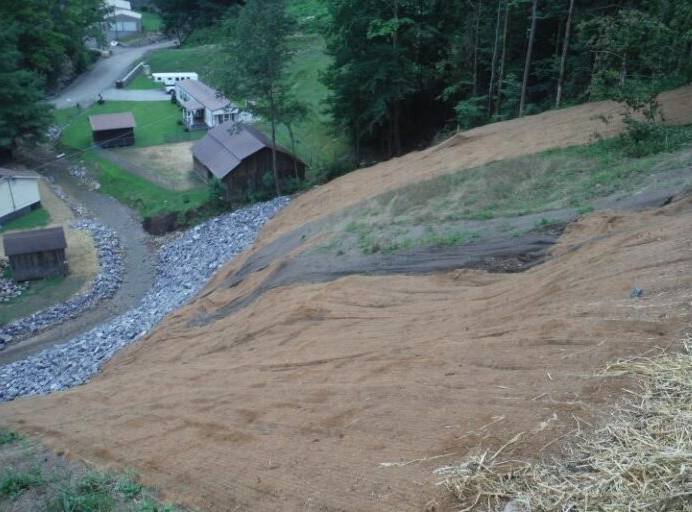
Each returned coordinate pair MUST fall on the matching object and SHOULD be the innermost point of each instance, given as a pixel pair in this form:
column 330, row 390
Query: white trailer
column 170, row 79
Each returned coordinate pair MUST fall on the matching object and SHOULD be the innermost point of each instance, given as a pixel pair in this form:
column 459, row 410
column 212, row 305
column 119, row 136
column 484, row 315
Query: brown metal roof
column 112, row 121
column 38, row 240
column 12, row 173
column 224, row 147
column 208, row 97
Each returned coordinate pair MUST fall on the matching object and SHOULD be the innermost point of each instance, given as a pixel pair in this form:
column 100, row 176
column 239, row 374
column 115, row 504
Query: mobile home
column 170, row 79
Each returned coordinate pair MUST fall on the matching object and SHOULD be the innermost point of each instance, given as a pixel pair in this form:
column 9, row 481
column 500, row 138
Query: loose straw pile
column 640, row 461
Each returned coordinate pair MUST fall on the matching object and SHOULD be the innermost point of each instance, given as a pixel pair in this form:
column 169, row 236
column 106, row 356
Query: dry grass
column 167, row 165
column 641, row 460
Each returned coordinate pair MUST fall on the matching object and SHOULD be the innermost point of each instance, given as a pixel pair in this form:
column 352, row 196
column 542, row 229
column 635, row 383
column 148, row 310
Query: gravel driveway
column 103, row 75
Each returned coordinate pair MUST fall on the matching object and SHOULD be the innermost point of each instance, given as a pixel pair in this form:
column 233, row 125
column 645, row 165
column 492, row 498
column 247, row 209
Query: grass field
column 432, row 212
column 206, row 60
column 144, row 196
column 151, row 22
column 35, row 219
column 40, row 295
column 141, row 81
column 157, row 123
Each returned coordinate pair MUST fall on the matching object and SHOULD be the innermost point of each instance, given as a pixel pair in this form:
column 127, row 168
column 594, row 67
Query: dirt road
column 139, row 262
column 87, row 86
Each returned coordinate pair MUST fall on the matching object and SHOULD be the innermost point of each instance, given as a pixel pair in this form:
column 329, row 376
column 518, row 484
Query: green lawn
column 142, row 195
column 206, row 60
column 151, row 22
column 40, row 295
column 142, row 81
column 34, row 219
column 157, row 123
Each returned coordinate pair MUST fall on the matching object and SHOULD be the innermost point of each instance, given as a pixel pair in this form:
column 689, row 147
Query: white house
column 203, row 107
column 18, row 193
column 170, row 79
column 121, row 20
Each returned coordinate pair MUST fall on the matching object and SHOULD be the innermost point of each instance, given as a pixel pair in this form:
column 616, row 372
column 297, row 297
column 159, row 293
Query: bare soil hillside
column 344, row 395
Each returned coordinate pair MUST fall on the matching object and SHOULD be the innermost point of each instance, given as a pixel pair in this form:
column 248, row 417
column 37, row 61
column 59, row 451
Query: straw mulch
column 641, row 460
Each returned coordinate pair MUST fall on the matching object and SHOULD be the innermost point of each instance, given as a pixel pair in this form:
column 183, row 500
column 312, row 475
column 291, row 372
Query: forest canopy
column 405, row 69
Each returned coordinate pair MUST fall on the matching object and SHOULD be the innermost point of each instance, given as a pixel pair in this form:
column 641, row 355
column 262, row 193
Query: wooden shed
column 239, row 156
column 113, row 130
column 36, row 254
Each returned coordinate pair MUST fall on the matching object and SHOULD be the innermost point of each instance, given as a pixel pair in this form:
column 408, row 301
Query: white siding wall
column 209, row 118
column 24, row 192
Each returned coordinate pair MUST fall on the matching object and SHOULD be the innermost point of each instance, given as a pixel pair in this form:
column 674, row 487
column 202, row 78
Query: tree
column 258, row 54
column 563, row 60
column 529, row 53
column 51, row 34
column 493, row 66
column 23, row 112
column 181, row 17
column 292, row 111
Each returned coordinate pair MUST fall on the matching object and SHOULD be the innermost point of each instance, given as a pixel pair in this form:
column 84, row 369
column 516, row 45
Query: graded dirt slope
column 558, row 128
column 345, row 395
column 297, row 401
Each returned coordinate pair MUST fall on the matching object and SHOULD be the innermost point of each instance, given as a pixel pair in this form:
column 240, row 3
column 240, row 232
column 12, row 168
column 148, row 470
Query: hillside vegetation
column 442, row 210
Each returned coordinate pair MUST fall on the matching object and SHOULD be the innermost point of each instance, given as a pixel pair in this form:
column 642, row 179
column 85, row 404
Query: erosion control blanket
column 346, row 394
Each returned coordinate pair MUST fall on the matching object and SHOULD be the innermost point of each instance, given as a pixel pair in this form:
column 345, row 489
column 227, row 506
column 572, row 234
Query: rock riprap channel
column 184, row 265
column 103, row 286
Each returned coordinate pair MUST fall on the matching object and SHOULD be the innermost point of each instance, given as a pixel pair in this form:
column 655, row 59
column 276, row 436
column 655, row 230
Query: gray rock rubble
column 184, row 266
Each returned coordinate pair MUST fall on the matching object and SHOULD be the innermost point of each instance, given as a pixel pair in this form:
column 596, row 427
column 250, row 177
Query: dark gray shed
column 36, row 254
column 113, row 130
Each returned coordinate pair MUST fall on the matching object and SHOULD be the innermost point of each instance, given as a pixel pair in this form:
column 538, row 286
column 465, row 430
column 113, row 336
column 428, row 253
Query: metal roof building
column 113, row 130
column 239, row 155
column 36, row 254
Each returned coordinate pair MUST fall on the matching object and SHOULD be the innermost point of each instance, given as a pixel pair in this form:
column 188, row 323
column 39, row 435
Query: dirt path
column 139, row 268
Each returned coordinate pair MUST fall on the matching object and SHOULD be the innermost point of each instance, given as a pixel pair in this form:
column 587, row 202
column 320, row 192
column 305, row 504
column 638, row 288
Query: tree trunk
column 396, row 142
column 503, row 59
column 274, row 162
column 476, row 36
column 563, row 60
column 491, row 88
column 293, row 150
column 527, row 66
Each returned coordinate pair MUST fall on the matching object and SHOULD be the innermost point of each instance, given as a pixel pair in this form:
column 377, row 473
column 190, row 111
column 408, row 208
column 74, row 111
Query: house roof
column 127, row 12
column 38, row 240
column 12, row 173
column 112, row 121
column 207, row 96
column 224, row 147
column 119, row 4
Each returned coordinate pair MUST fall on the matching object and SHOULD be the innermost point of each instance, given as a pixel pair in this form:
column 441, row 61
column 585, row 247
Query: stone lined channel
column 184, row 265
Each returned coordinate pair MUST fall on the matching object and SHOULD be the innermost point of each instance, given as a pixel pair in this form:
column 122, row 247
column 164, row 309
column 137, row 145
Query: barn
column 36, row 254
column 239, row 156
column 113, row 130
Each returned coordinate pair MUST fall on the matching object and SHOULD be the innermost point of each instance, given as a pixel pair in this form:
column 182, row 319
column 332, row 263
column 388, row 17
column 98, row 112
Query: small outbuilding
column 239, row 155
column 113, row 130
column 36, row 254
column 19, row 193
